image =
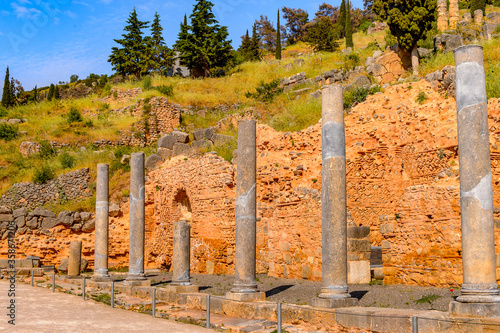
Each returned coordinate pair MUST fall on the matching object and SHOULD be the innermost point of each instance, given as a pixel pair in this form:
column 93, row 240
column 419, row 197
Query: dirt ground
column 303, row 291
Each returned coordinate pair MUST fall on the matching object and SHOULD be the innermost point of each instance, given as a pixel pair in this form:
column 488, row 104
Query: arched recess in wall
column 182, row 206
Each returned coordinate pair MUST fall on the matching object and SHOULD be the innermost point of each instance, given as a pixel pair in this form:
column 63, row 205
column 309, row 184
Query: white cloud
column 5, row 13
column 70, row 14
column 24, row 2
column 22, row 11
column 56, row 21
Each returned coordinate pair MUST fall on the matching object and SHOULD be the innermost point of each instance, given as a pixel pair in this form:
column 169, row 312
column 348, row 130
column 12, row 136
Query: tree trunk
column 414, row 60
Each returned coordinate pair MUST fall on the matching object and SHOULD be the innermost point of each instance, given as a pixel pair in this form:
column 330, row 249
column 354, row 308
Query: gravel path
column 303, row 291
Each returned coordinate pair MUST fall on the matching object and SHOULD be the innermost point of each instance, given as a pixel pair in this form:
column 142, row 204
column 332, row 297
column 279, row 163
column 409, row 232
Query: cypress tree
column 342, row 19
column 130, row 58
column 13, row 99
column 244, row 48
column 159, row 57
column 50, row 95
column 348, row 26
column 35, row 94
column 56, row 93
column 278, row 39
column 254, row 49
column 6, row 95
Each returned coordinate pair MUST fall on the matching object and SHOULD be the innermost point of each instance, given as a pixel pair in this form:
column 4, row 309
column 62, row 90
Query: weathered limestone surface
column 101, row 224
column 454, row 14
column 181, row 250
column 137, row 217
column 75, row 257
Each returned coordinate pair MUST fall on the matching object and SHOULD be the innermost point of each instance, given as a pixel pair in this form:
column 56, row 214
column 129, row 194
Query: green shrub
column 266, row 91
column 421, row 97
column 46, row 149
column 351, row 60
column 147, row 83
column 106, row 91
column 89, row 123
column 364, row 26
column 166, row 90
column 357, row 95
column 67, row 161
column 43, row 175
column 74, row 116
column 3, row 112
column 226, row 150
column 8, row 132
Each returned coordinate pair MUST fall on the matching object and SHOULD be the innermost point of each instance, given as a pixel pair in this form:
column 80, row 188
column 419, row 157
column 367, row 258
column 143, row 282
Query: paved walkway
column 40, row 310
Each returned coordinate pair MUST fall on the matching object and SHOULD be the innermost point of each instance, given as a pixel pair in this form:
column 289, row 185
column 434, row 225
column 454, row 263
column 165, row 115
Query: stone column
column 454, row 14
column 246, row 211
column 137, row 223
column 442, row 22
column 478, row 18
column 333, row 202
column 479, row 295
column 75, row 258
column 181, row 254
column 101, row 225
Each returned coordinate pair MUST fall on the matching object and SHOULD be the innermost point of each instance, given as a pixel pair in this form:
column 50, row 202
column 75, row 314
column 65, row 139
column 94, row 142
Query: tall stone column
column 478, row 18
column 75, row 258
column 479, row 295
column 442, row 9
column 454, row 14
column 101, row 225
column 181, row 254
column 333, row 202
column 246, row 213
column 137, row 216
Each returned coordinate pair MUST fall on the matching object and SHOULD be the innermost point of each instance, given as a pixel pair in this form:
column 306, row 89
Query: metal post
column 414, row 324
column 154, row 302
column 53, row 282
column 83, row 288
column 112, row 294
column 32, row 278
column 208, row 312
column 279, row 317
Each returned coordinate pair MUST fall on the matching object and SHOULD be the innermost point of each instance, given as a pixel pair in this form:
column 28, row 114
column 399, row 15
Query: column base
column 137, row 283
column 246, row 297
column 181, row 289
column 475, row 309
column 334, row 302
column 101, row 278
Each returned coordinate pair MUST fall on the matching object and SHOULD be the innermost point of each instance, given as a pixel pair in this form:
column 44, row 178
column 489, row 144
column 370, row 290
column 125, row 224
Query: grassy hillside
column 50, row 121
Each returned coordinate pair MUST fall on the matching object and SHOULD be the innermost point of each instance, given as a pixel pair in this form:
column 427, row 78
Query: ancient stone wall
column 66, row 187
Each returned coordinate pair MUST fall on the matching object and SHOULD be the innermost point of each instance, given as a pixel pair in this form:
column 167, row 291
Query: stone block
column 167, row 141
column 6, row 217
column 20, row 212
column 50, row 222
column 114, row 210
column 378, row 273
column 153, row 161
column 66, row 218
column 221, row 139
column 390, row 271
column 182, row 149
column 39, row 211
column 358, row 232
column 32, row 223
column 210, row 267
column 20, row 221
column 387, row 228
column 493, row 17
column 201, row 144
column 180, row 136
column 165, row 153
column 476, row 310
column 63, row 265
column 246, row 297
column 306, row 272
column 385, row 245
column 358, row 272
column 358, row 245
column 89, row 226
column 85, row 216
column 360, row 81
column 202, row 134
column 5, row 210
column 334, row 303
column 182, row 289
column 137, row 283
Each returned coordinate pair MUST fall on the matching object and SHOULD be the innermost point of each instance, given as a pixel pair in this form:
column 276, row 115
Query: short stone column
column 101, row 225
column 181, row 254
column 333, row 202
column 245, row 286
column 454, row 14
column 478, row 17
column 137, row 221
column 479, row 295
column 442, row 21
column 75, row 258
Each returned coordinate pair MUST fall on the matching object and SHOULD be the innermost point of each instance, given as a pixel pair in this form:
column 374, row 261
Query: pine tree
column 130, row 58
column 50, row 95
column 13, row 95
column 477, row 4
column 409, row 21
column 56, row 93
column 159, row 57
column 6, row 94
column 244, row 48
column 322, row 36
column 35, row 94
column 348, row 26
column 342, row 19
column 203, row 46
column 278, row 38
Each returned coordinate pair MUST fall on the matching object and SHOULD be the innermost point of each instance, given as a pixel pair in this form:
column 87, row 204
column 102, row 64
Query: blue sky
column 46, row 41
